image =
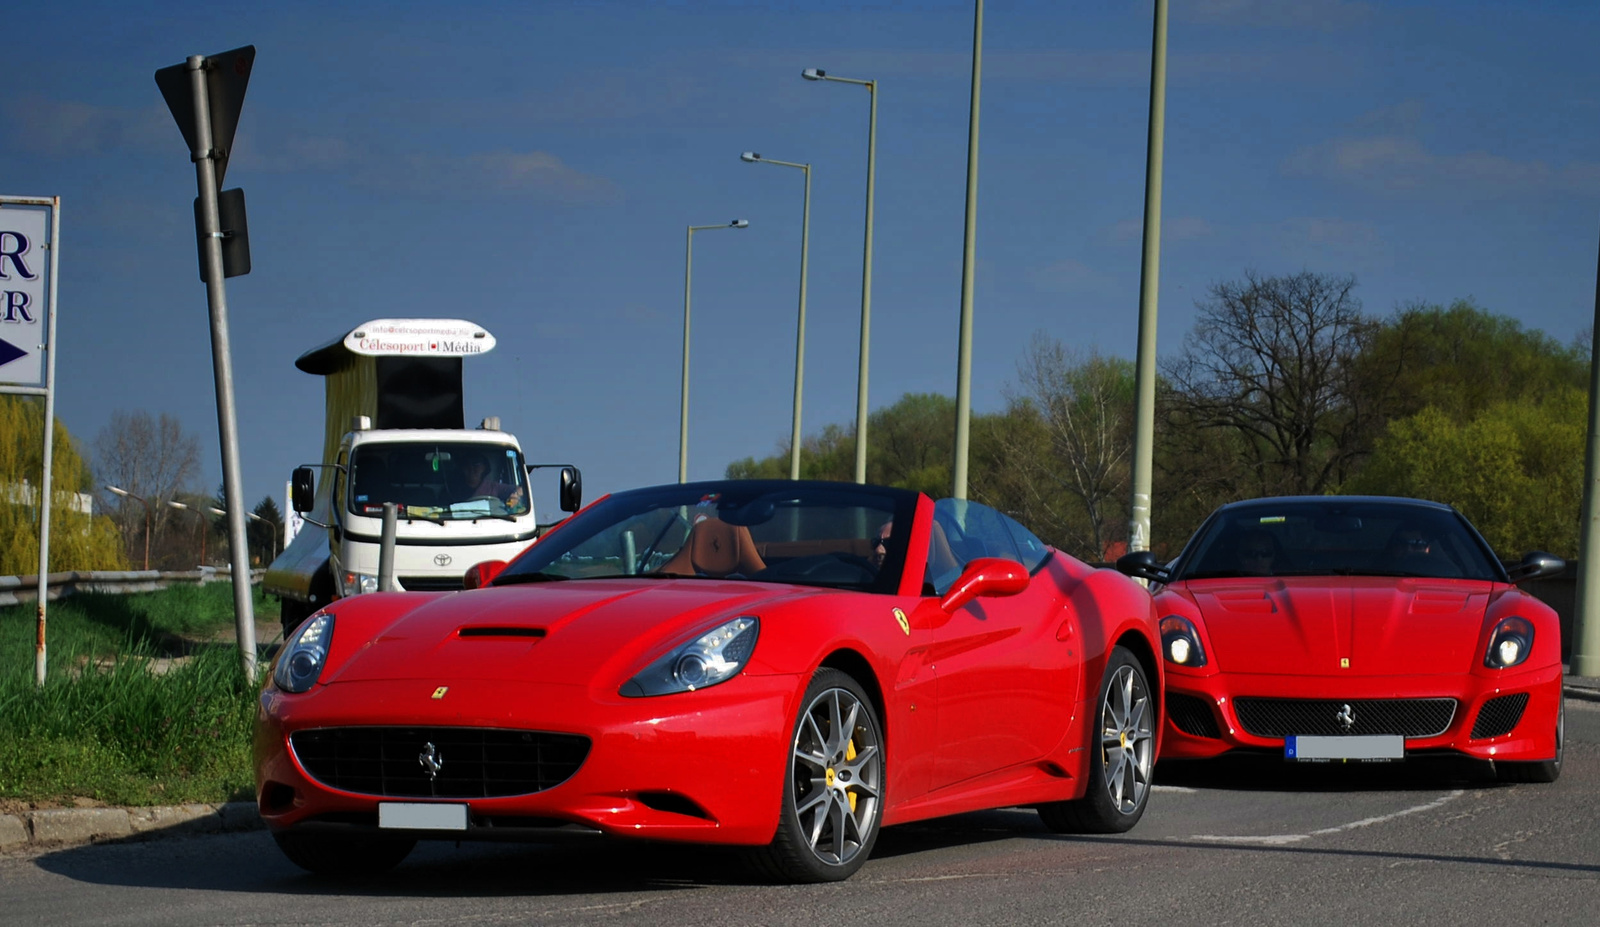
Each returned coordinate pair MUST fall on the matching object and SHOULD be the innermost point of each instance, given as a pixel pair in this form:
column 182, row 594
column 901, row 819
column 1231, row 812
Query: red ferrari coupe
column 1340, row 628
column 787, row 666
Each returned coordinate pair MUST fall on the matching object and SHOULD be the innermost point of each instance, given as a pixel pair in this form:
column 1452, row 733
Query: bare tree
column 1272, row 362
column 1066, row 439
column 151, row 458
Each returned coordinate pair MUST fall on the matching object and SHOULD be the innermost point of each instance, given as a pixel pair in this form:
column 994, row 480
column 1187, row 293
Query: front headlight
column 302, row 660
column 1510, row 643
column 358, row 583
column 713, row 657
column 1180, row 642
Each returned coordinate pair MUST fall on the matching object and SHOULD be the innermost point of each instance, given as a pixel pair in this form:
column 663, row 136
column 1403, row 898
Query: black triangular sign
column 227, row 75
column 10, row 352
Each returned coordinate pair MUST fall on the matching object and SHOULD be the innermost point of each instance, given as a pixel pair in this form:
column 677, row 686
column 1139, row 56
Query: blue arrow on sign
column 9, row 352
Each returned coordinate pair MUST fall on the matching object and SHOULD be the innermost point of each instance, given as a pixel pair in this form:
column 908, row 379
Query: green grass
column 106, row 726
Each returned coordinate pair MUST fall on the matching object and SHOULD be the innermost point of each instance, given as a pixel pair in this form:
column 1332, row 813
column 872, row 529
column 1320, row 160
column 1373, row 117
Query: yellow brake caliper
column 850, row 754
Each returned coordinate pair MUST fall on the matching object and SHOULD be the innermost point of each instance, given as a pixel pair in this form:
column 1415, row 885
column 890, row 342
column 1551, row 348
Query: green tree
column 78, row 540
column 1514, row 469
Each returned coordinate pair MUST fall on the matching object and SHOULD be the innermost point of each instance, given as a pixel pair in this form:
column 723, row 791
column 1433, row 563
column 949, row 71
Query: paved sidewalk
column 58, row 828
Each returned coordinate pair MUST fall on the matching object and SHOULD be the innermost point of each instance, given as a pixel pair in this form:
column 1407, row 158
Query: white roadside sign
column 426, row 337
column 23, row 305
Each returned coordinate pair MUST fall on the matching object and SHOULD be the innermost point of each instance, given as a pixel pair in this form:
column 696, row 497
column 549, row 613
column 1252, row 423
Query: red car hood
column 549, row 632
column 1310, row 625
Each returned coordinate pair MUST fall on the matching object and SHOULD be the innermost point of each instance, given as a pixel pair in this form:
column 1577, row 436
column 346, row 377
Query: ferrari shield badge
column 439, row 692
column 905, row 625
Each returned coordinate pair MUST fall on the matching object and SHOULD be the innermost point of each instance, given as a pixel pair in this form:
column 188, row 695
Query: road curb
column 57, row 828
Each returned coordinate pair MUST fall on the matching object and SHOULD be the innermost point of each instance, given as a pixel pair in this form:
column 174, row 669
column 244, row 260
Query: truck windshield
column 438, row 480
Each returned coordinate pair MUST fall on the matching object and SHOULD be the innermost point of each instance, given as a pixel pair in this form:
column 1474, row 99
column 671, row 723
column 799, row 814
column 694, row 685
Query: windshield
column 438, row 480
column 815, row 534
column 1337, row 538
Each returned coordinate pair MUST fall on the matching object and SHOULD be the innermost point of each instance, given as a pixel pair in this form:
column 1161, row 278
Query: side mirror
column 571, row 489
column 1145, row 565
column 985, row 577
column 303, row 490
column 1536, row 563
column 482, row 574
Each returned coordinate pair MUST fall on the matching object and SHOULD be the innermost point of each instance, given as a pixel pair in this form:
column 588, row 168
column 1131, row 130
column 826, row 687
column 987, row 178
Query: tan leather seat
column 716, row 548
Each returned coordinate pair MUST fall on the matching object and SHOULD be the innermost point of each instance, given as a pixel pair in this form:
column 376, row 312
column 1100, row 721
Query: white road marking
column 1278, row 840
column 1173, row 788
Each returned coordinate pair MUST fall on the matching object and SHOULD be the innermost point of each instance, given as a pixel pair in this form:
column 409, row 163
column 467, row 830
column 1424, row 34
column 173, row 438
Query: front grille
column 1192, row 715
column 430, row 584
column 1281, row 717
column 471, row 762
column 1499, row 715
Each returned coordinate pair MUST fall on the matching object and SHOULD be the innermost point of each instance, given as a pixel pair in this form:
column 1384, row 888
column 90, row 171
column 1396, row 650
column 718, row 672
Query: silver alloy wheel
column 1127, row 743
column 836, row 776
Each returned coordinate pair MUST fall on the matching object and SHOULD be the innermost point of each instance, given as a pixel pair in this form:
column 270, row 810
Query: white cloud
column 528, row 173
column 1175, row 228
column 70, row 128
column 1399, row 162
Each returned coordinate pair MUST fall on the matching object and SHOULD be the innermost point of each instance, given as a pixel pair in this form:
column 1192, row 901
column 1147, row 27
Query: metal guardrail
column 17, row 590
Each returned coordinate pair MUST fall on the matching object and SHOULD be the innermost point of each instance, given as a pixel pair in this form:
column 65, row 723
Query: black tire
column 833, row 785
column 344, row 854
column 1539, row 770
column 1122, row 755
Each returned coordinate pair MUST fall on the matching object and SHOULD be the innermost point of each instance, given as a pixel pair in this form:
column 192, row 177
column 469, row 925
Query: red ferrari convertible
column 1340, row 628
column 788, row 666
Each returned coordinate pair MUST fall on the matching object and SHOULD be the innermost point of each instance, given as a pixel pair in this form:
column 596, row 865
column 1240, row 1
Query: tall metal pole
column 46, row 493
column 969, row 270
column 800, row 331
column 683, row 406
column 222, row 367
column 1149, row 281
column 866, row 289
column 1586, row 623
column 683, row 410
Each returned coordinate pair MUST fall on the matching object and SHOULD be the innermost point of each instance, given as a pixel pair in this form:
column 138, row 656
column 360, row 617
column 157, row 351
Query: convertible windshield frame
column 1338, row 536
column 796, row 532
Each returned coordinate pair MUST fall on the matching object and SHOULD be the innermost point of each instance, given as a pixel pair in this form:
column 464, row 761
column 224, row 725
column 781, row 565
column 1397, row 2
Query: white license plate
column 1356, row 747
column 422, row 816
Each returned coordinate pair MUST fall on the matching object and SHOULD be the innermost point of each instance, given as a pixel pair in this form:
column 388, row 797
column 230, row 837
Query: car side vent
column 492, row 631
column 1192, row 715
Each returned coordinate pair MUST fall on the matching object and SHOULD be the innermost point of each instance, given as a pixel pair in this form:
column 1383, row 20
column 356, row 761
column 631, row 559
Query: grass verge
column 144, row 701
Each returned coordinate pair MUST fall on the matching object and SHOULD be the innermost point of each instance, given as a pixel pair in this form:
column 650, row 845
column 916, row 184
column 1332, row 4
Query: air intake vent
column 514, row 632
column 466, row 762
column 1499, row 715
column 1192, row 716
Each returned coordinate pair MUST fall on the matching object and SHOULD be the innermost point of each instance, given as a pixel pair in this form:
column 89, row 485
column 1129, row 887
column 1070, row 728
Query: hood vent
column 521, row 633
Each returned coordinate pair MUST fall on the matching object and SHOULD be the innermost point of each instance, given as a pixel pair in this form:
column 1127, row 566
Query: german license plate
column 421, row 816
column 1360, row 747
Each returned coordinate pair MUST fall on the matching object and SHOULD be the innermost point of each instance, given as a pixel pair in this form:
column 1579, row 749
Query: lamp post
column 203, row 532
column 683, row 411
column 118, row 490
column 253, row 517
column 866, row 263
column 800, row 326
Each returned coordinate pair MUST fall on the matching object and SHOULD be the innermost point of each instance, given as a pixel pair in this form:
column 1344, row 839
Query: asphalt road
column 1229, row 845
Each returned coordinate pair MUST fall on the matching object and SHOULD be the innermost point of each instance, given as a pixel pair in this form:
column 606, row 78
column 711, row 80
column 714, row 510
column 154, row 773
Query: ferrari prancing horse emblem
column 439, row 692
column 1346, row 718
column 905, row 625
column 430, row 760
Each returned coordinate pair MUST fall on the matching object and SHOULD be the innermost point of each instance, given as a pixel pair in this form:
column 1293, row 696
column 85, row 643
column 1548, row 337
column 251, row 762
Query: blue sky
column 532, row 167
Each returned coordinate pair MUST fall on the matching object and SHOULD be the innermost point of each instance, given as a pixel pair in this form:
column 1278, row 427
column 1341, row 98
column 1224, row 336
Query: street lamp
column 752, row 157
column 253, row 516
column 203, row 526
column 118, row 490
column 683, row 412
column 866, row 263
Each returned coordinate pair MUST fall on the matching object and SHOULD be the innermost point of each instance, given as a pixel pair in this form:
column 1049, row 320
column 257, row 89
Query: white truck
column 394, row 433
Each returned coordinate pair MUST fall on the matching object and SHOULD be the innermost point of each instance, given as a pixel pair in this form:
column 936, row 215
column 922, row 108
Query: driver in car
column 480, row 484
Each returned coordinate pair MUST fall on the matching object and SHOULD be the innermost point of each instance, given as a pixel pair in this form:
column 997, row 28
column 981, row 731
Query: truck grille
column 430, row 583
column 469, row 762
column 1281, row 717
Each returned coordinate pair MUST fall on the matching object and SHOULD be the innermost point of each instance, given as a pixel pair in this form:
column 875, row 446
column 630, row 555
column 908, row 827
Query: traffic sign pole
column 222, row 364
